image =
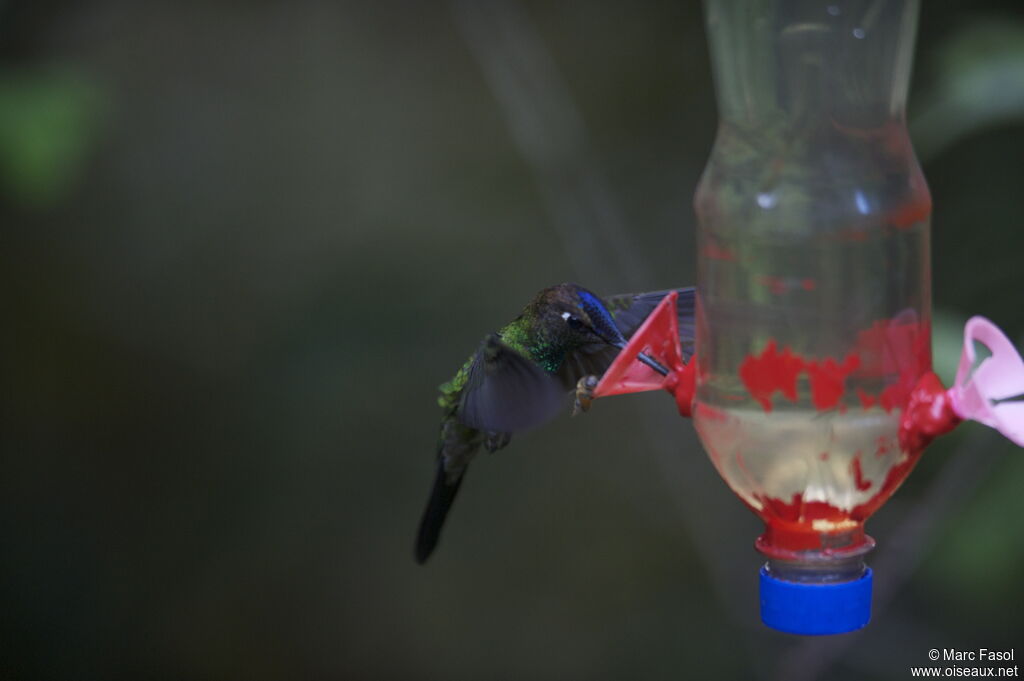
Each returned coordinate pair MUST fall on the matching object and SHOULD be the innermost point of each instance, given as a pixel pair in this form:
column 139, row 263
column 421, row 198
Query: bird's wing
column 506, row 392
column 631, row 309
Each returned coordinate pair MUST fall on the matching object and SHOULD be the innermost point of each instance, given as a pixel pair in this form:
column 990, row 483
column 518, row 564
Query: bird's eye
column 573, row 321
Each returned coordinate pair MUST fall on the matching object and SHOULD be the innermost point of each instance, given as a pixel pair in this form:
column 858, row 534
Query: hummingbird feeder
column 811, row 387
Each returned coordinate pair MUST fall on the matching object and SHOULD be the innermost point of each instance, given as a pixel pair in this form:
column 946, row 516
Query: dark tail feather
column 441, row 498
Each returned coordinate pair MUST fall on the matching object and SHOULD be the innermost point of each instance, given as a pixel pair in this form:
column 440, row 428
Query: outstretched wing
column 629, row 310
column 506, row 392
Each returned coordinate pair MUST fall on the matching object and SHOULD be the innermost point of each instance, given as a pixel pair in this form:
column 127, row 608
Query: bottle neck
column 820, row 568
column 798, row 64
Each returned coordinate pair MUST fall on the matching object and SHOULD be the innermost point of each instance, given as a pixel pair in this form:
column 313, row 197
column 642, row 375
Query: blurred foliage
column 947, row 343
column 981, row 541
column 977, row 84
column 47, row 121
column 244, row 242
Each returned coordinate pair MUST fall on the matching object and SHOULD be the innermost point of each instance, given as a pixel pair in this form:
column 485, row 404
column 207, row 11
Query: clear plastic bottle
column 814, row 274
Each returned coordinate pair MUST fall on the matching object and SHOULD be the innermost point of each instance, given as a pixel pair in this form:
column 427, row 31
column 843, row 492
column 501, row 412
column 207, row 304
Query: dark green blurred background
column 244, row 241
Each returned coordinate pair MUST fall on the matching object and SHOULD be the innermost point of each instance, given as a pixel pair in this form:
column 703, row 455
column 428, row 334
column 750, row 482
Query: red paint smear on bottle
column 928, row 414
column 896, row 346
column 897, row 351
column 858, row 474
column 893, row 479
column 867, row 400
column 789, row 527
column 828, row 380
column 909, row 214
column 895, row 396
column 771, row 371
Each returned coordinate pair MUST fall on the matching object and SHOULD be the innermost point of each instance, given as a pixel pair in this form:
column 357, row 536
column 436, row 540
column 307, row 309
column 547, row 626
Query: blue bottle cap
column 815, row 609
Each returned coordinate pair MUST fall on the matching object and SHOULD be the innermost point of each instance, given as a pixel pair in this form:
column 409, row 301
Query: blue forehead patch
column 601, row 319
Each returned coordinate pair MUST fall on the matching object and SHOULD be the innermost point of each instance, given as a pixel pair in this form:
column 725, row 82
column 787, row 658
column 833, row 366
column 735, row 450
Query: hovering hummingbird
column 517, row 379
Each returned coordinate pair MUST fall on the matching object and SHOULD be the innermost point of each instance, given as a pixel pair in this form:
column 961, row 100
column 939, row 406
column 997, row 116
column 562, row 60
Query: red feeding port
column 657, row 337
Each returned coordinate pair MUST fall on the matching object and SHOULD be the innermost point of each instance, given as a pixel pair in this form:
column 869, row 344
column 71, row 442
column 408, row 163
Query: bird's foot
column 584, row 394
column 493, row 440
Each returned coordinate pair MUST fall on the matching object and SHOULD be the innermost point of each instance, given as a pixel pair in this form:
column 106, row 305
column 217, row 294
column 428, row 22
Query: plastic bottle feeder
column 811, row 387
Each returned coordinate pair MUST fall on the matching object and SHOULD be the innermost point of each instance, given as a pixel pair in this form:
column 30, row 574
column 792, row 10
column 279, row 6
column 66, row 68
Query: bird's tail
column 441, row 498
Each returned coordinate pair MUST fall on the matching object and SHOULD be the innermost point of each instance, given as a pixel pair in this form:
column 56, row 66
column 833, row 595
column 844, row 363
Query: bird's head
column 577, row 316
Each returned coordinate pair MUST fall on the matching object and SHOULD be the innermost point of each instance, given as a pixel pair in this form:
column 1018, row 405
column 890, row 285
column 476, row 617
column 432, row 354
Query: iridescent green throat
column 526, row 338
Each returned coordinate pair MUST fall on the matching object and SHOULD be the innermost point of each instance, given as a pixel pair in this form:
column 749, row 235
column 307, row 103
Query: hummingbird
column 518, row 378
